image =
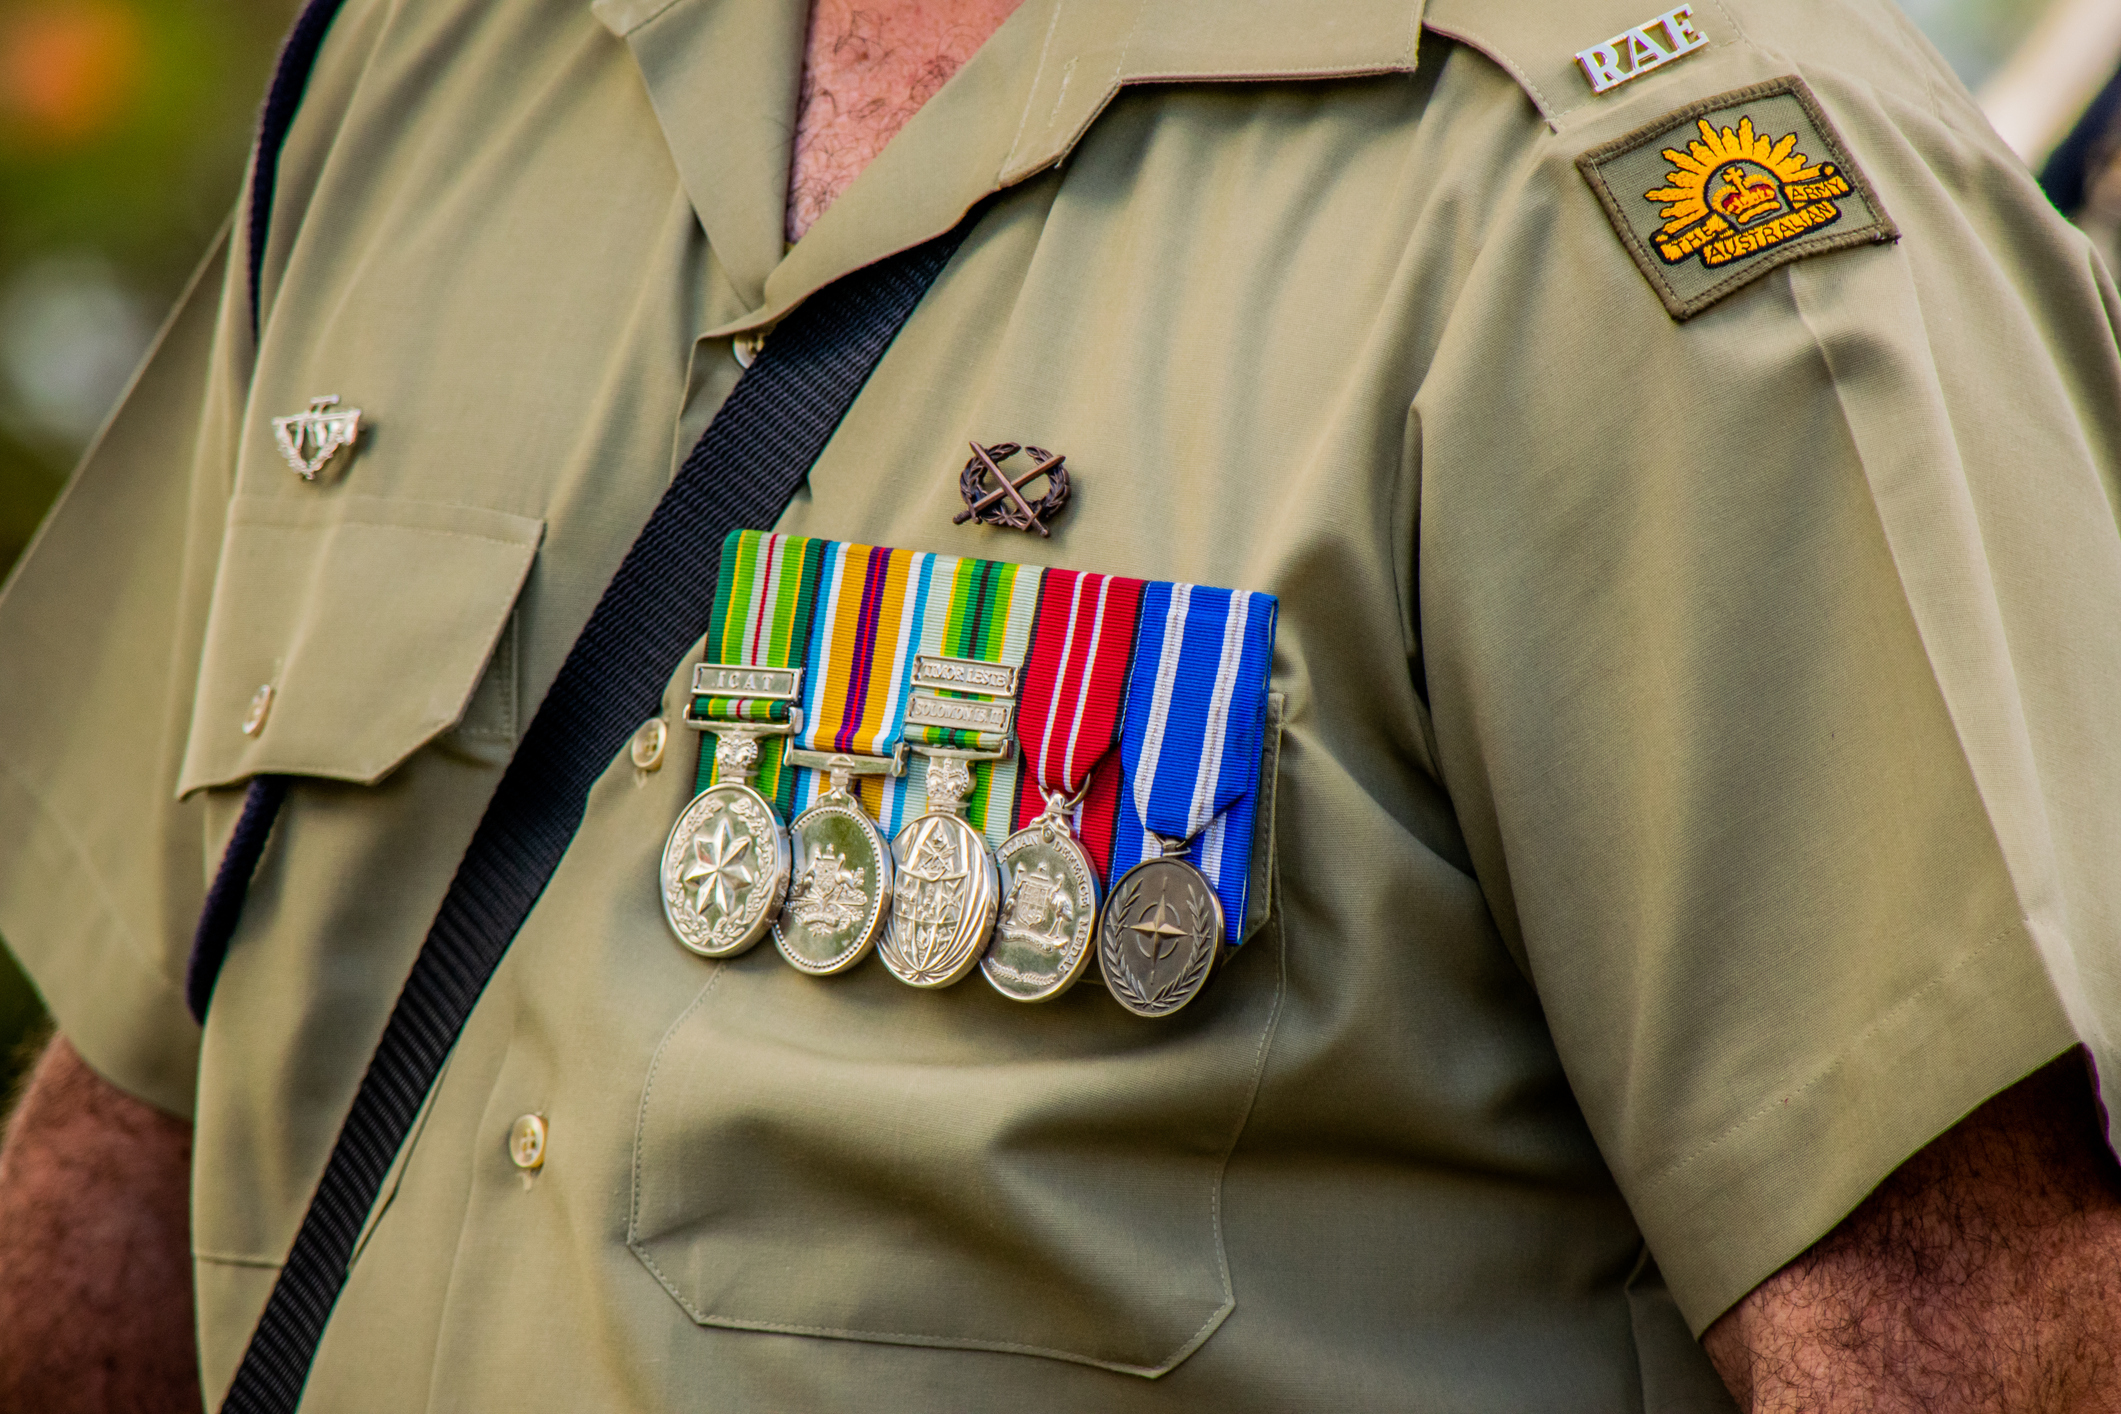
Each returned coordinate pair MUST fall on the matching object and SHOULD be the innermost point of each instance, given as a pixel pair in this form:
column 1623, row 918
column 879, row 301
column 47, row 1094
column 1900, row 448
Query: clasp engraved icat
column 1004, row 501
column 737, row 683
column 309, row 440
column 1634, row 52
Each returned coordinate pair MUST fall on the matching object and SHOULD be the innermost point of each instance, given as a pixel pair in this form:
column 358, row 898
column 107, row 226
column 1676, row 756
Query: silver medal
column 1047, row 925
column 945, row 887
column 1161, row 934
column 725, row 866
column 842, row 885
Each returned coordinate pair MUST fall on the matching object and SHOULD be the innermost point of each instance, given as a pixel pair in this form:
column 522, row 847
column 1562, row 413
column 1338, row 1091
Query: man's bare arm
column 95, row 1250
column 1985, row 1274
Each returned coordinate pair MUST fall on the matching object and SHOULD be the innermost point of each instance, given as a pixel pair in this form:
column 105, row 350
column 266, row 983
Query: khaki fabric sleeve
column 102, row 870
column 1774, row 658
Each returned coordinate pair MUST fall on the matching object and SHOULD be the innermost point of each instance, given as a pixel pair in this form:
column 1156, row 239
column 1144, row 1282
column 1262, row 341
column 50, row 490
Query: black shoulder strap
column 743, row 472
column 298, row 55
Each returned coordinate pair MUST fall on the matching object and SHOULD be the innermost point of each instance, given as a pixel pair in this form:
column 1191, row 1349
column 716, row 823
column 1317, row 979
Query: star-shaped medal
column 719, row 867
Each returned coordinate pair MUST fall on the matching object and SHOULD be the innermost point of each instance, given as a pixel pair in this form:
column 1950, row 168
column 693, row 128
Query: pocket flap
column 370, row 620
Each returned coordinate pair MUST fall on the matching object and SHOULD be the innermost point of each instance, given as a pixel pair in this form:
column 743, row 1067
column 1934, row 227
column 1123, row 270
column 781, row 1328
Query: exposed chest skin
column 868, row 66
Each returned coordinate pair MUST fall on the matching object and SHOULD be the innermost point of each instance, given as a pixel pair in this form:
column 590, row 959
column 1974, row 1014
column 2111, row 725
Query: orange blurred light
column 67, row 71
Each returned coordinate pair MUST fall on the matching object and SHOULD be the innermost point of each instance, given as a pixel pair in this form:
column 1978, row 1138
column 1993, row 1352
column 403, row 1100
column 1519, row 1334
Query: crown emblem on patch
column 1736, row 192
column 1712, row 196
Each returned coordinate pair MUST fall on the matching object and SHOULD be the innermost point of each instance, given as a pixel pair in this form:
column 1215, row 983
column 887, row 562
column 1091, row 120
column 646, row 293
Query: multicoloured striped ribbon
column 764, row 601
column 878, row 609
column 1075, row 680
column 1194, row 729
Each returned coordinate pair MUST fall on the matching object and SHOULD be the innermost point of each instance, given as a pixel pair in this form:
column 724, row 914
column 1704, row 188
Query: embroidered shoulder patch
column 1717, row 194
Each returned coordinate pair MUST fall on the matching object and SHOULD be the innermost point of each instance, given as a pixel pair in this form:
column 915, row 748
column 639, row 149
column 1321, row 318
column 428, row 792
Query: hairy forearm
column 1985, row 1274
column 95, row 1259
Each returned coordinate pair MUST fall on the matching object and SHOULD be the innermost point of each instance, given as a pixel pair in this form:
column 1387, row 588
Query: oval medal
column 725, row 870
column 842, row 884
column 1160, row 936
column 1047, row 924
column 945, row 888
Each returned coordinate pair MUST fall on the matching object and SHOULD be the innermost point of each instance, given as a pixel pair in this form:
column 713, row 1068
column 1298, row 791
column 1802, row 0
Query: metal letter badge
column 1075, row 678
column 309, row 440
column 1634, row 52
column 1003, row 501
column 959, row 718
column 726, row 865
column 1194, row 732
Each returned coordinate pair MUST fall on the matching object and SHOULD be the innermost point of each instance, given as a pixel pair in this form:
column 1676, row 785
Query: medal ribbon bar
column 1075, row 680
column 1195, row 727
column 976, row 626
column 870, row 601
column 764, row 603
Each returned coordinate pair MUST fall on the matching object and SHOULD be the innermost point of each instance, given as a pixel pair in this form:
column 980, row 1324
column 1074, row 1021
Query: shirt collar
column 723, row 76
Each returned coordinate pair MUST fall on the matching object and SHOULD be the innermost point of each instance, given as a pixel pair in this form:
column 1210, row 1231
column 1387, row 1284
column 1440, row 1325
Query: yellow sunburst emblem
column 1735, row 192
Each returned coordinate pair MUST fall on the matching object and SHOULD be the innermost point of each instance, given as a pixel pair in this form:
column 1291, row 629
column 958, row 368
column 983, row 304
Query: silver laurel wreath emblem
column 1160, row 935
column 309, row 440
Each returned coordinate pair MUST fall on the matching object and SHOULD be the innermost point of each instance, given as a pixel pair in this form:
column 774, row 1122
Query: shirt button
column 648, row 744
column 526, row 1142
column 746, row 347
column 254, row 716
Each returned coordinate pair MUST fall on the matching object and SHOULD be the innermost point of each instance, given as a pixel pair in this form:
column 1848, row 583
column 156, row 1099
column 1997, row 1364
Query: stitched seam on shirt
column 104, row 902
column 229, row 1259
column 1473, row 40
column 1841, row 1060
column 1016, row 143
column 284, row 529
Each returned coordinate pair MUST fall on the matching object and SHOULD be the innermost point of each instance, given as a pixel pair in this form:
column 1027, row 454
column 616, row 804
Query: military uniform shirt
column 1693, row 776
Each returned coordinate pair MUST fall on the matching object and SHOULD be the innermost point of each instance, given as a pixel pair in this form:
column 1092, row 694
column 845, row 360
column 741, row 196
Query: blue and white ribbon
column 1195, row 726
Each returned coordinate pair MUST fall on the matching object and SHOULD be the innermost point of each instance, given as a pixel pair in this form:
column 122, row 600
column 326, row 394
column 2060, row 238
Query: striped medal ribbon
column 1075, row 677
column 870, row 603
column 960, row 712
column 726, row 864
column 1194, row 729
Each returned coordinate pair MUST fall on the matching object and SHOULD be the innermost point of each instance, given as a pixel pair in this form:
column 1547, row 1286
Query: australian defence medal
column 1074, row 679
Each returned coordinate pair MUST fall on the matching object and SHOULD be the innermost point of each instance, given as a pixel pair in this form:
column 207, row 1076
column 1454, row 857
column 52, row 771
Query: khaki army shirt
column 1694, row 780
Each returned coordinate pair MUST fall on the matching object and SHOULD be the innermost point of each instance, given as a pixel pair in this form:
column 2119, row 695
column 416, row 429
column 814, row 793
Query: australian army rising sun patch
column 1721, row 192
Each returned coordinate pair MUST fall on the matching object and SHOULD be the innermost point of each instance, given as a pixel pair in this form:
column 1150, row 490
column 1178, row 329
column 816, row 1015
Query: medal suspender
column 743, row 471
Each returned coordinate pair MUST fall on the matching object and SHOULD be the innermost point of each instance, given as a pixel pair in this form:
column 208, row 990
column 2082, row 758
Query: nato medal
column 725, row 866
column 1161, row 934
column 835, row 907
column 945, row 887
column 1048, row 919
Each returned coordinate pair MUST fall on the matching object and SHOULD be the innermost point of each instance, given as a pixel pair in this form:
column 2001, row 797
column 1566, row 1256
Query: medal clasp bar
column 740, row 684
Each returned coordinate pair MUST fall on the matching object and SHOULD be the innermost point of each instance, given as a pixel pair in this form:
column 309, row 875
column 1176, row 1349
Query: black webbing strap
column 743, row 472
column 298, row 55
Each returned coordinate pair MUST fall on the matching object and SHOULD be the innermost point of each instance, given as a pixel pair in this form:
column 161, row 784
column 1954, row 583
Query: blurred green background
column 124, row 126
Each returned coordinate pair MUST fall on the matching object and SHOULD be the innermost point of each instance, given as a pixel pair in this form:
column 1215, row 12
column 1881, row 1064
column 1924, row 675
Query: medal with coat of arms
column 945, row 888
column 1075, row 674
column 842, row 882
column 725, row 865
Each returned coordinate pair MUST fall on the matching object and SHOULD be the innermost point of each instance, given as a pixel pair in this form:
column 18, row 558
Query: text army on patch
column 1717, row 194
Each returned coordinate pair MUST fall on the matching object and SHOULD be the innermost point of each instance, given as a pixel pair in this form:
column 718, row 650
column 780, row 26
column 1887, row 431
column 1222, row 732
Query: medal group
column 943, row 760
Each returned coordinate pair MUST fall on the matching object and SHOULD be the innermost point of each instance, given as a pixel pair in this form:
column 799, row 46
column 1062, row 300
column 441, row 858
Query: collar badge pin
column 993, row 497
column 309, row 440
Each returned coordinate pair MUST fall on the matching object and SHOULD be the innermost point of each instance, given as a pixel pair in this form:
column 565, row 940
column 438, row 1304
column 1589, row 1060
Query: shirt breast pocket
column 850, row 1158
column 347, row 633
